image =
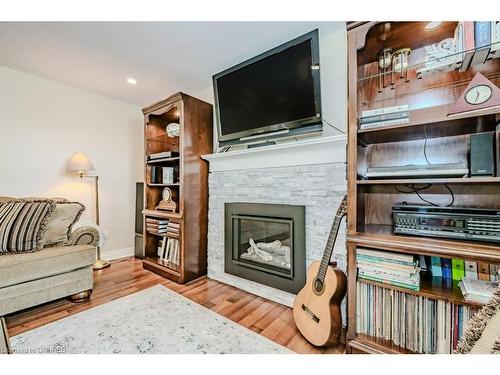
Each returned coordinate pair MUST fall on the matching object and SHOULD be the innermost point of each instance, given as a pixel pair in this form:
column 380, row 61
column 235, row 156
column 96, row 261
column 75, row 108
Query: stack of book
column 381, row 117
column 400, row 270
column 414, row 322
column 162, row 156
column 477, row 290
column 168, row 250
column 173, row 229
column 156, row 226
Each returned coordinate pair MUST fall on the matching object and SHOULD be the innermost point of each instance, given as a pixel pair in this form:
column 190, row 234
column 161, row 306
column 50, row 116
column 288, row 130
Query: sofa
column 33, row 278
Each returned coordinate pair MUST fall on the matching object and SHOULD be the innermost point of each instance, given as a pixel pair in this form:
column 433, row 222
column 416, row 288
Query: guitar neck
column 329, row 247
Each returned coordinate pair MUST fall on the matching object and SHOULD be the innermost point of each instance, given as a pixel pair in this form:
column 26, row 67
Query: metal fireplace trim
column 264, row 275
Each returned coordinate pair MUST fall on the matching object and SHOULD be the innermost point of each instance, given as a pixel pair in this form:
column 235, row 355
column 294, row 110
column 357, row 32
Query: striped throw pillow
column 22, row 224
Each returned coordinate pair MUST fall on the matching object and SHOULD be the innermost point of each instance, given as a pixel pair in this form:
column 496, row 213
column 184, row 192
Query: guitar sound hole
column 318, row 286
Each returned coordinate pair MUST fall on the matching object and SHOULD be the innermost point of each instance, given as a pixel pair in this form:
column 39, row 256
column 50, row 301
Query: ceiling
column 164, row 57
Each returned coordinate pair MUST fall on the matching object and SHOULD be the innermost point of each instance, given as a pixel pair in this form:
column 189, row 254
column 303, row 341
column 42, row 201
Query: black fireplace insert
column 265, row 243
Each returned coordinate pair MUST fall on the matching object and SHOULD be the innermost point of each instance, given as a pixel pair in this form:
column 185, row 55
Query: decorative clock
column 167, row 202
column 480, row 94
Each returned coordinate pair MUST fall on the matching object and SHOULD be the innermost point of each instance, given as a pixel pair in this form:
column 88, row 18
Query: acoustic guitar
column 316, row 309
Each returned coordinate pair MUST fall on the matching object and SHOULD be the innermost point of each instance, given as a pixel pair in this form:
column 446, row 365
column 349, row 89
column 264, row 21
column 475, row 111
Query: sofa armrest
column 84, row 236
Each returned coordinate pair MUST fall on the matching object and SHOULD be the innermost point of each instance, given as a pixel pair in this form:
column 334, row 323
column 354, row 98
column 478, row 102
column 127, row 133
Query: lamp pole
column 99, row 263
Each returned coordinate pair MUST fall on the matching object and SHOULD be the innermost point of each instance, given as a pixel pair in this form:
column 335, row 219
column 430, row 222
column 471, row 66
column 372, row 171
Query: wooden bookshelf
column 446, row 140
column 195, row 118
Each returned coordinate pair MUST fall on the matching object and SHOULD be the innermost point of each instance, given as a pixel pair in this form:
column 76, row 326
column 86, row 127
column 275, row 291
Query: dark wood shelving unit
column 195, row 118
column 447, row 140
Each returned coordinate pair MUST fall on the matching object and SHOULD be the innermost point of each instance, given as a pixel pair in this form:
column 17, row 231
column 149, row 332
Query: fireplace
column 265, row 243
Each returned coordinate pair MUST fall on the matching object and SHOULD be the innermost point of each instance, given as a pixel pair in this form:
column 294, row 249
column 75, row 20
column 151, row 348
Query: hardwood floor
column 127, row 276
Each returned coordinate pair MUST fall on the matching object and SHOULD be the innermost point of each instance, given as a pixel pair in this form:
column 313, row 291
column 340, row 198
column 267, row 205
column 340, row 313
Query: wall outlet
column 106, row 234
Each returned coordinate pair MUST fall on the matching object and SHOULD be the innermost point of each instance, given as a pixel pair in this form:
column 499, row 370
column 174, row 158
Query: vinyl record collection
column 417, row 323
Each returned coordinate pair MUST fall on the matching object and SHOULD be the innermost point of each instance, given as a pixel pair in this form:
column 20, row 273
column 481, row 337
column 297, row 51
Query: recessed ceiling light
column 432, row 25
column 131, row 81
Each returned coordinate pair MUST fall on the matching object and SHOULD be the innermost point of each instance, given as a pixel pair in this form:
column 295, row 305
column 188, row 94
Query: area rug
column 155, row 320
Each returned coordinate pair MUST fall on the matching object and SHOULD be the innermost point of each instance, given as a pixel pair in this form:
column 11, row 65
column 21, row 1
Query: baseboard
column 117, row 254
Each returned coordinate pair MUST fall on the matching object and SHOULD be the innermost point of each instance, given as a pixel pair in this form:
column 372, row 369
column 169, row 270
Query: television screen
column 277, row 90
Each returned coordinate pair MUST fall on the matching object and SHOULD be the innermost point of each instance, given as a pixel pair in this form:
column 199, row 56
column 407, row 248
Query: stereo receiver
column 473, row 224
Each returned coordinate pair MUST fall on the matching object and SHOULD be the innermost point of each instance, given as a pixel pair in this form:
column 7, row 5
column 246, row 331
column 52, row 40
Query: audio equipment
column 473, row 224
column 139, row 220
column 419, row 171
column 482, row 154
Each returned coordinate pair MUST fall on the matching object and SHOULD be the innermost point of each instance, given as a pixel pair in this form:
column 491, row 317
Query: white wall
column 42, row 123
column 333, row 63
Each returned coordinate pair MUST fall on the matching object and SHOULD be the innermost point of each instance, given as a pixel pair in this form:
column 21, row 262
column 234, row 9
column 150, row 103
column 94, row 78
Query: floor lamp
column 81, row 163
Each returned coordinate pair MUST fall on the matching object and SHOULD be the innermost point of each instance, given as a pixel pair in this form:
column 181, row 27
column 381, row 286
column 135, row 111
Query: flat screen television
column 277, row 92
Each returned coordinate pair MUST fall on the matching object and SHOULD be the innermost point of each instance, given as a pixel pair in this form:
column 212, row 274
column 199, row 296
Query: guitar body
column 318, row 316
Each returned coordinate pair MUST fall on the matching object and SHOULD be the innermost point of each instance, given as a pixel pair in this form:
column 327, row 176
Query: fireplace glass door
column 264, row 243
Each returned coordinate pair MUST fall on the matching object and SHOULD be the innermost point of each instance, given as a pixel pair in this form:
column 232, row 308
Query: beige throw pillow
column 65, row 215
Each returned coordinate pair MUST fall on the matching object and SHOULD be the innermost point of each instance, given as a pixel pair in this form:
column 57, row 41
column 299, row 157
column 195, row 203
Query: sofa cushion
column 20, row 268
column 23, row 223
column 65, row 215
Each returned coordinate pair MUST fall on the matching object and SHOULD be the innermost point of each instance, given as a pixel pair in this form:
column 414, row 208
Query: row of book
column 164, row 175
column 401, row 270
column 387, row 116
column 165, row 227
column 168, row 250
column 457, row 269
column 419, row 324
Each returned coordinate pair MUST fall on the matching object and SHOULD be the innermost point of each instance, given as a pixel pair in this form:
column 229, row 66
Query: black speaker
column 139, row 219
column 482, row 154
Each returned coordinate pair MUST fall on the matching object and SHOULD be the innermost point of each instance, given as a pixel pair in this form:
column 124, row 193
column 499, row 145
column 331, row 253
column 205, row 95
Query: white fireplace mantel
column 320, row 150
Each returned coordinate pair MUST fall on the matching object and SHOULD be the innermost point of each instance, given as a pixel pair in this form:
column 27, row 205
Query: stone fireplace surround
column 308, row 172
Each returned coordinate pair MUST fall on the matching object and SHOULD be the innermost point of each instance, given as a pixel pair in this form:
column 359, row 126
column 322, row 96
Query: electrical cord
column 425, row 146
column 333, row 126
column 412, row 188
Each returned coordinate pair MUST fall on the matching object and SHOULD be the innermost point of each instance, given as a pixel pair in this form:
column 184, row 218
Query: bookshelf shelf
column 162, row 214
column 169, row 235
column 164, row 160
column 190, row 192
column 381, row 237
column 429, row 94
column 431, row 123
column 373, row 345
column 464, row 180
column 161, row 267
column 432, row 287
column 163, row 138
column 164, row 185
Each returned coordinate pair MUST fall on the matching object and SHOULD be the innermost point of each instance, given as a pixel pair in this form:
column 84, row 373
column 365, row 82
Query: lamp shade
column 80, row 162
